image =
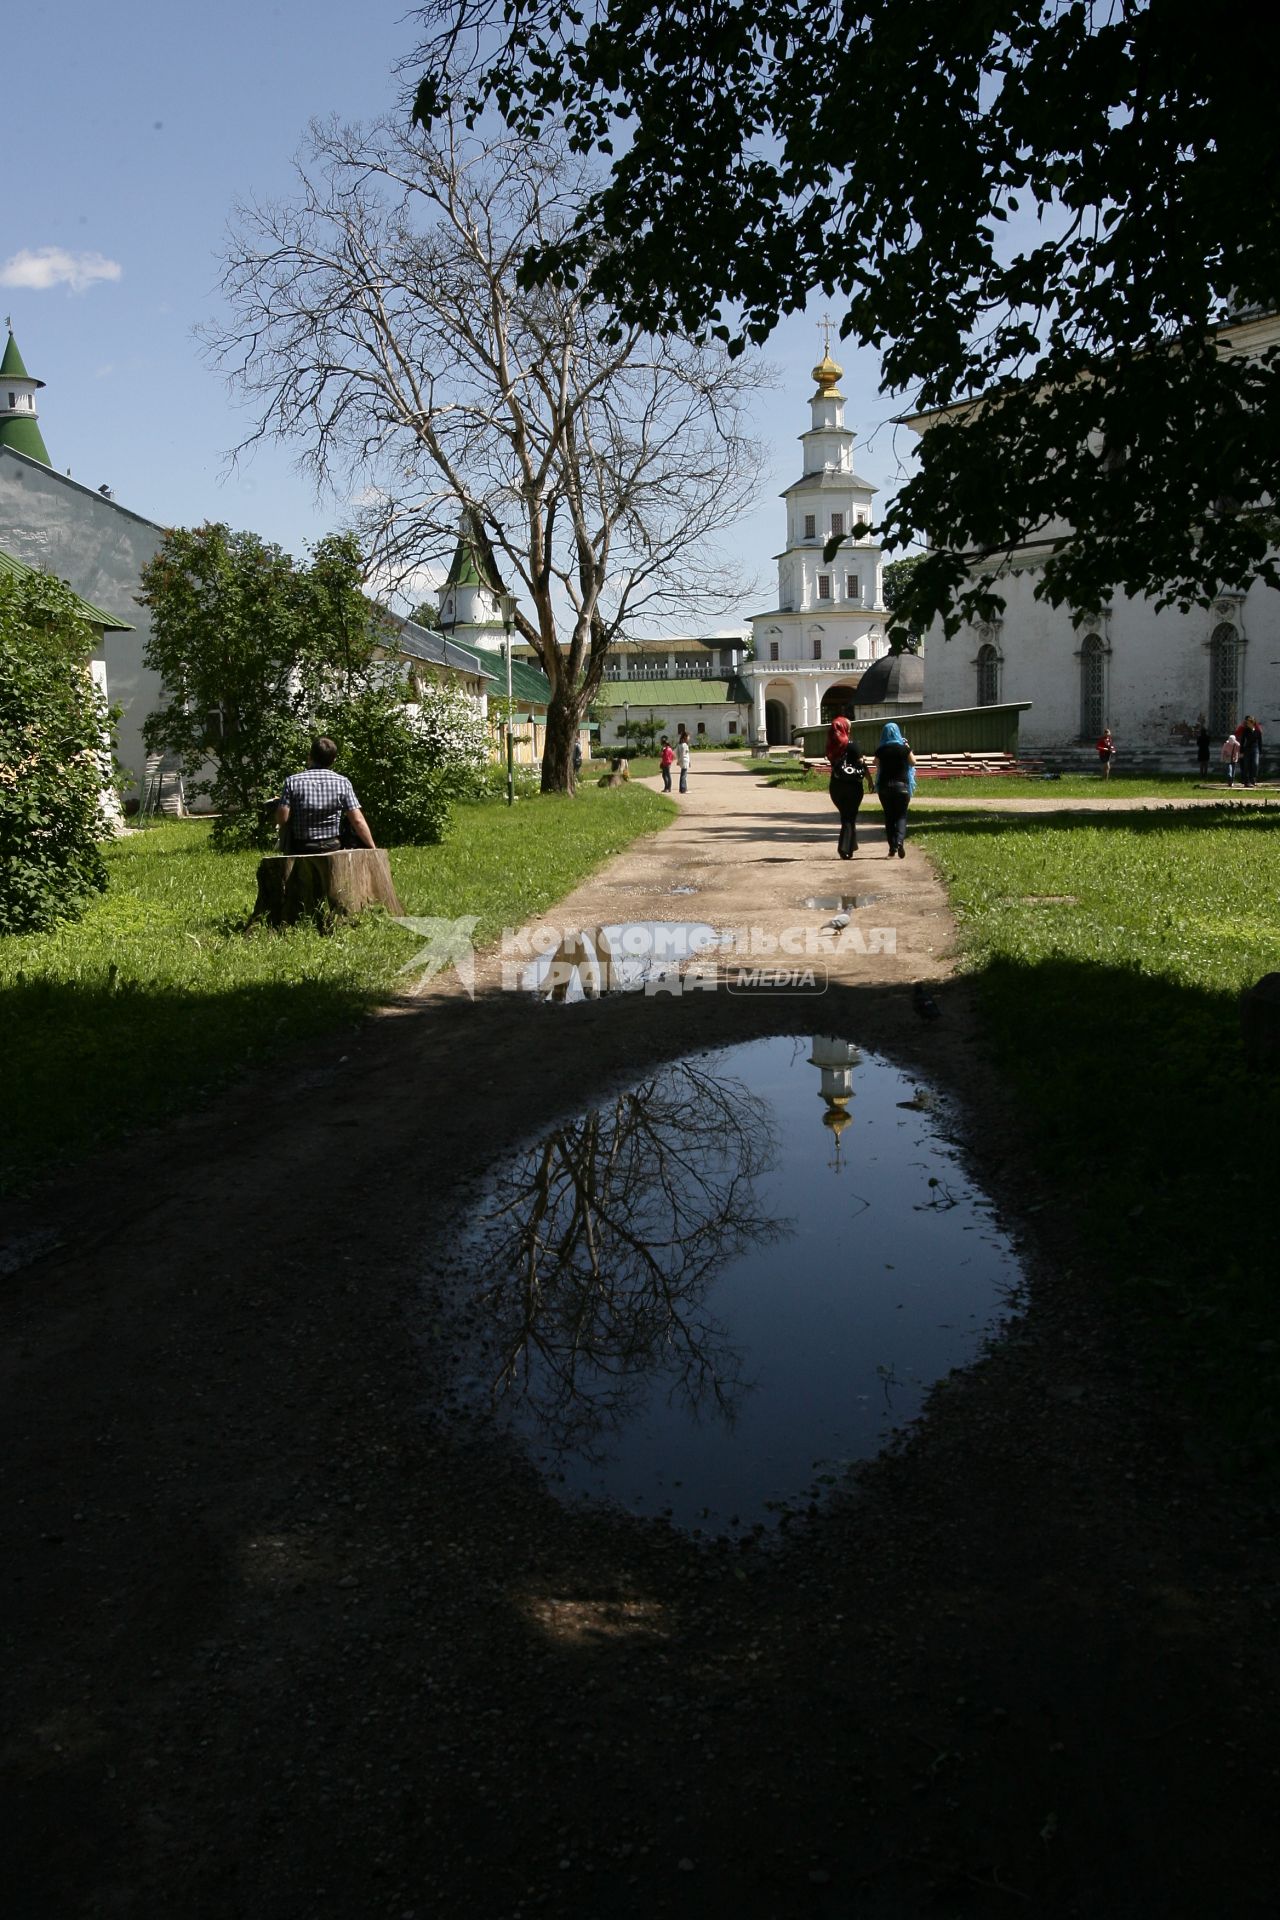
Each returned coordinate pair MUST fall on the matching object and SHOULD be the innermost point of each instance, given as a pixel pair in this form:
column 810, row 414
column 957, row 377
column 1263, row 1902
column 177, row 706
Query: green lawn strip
column 1072, row 786
column 158, row 994
column 1110, row 952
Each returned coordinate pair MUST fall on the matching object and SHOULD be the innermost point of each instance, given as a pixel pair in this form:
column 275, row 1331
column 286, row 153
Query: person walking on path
column 847, row 783
column 1230, row 757
column 1106, row 752
column 316, row 805
column 1249, row 734
column 666, row 757
column 682, row 755
column 895, row 783
column 1202, row 749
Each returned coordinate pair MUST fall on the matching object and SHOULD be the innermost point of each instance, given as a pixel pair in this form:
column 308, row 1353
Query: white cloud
column 36, row 269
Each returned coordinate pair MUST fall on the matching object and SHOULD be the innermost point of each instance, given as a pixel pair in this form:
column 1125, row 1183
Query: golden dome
column 827, row 374
column 837, row 1119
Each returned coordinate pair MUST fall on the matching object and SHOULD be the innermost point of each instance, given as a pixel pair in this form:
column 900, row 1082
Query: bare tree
column 379, row 321
column 599, row 1246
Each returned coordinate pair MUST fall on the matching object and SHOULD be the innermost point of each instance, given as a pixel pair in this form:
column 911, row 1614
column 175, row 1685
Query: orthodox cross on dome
column 827, row 373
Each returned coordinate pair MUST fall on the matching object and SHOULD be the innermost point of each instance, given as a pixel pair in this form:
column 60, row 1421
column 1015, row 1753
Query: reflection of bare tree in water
column 601, row 1243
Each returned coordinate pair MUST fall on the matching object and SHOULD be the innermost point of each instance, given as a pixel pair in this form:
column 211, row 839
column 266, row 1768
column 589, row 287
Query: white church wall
column 51, row 521
column 1156, row 672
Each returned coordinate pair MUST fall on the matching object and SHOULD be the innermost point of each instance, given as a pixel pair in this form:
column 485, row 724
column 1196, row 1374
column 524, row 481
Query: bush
column 55, row 752
column 409, row 763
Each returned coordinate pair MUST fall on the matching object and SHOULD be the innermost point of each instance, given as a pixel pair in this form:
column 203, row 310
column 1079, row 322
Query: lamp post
column 626, row 727
column 508, row 618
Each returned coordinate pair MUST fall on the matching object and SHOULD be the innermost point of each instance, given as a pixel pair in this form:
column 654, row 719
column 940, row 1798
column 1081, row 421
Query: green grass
column 158, row 993
column 1110, row 953
column 1072, row 786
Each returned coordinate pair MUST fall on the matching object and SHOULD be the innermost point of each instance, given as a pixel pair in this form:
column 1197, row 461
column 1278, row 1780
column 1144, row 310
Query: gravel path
column 283, row 1643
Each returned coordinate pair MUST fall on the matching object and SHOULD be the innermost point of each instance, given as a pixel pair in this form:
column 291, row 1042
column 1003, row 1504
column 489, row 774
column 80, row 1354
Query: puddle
column 839, row 902
column 688, row 889
column 711, row 1294
column 623, row 956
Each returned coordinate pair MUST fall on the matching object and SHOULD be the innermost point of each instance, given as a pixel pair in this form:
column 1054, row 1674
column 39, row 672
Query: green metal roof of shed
column 13, row 569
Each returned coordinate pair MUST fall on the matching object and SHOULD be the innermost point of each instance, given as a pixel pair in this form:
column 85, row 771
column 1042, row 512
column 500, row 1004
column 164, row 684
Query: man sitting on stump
column 316, row 805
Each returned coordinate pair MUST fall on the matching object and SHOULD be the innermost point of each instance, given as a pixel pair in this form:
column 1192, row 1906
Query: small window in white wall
column 824, row 586
column 13, row 399
column 773, row 649
column 837, row 523
column 988, row 676
column 851, row 588
column 810, row 526
column 1093, row 705
column 702, row 726
column 817, row 649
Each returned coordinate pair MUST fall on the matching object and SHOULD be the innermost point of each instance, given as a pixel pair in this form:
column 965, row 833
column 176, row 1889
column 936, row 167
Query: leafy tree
column 250, row 647
column 427, row 615
column 55, row 752
column 897, row 576
column 1061, row 207
column 380, row 320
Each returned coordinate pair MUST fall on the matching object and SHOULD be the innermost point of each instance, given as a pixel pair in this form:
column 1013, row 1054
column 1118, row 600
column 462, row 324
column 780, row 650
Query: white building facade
column 812, row 648
column 1150, row 676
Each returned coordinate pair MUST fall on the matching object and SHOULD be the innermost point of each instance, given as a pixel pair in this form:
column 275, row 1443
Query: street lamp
column 508, row 606
column 626, row 727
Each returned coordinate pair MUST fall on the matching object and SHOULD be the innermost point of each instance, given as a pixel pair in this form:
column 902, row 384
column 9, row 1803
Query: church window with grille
column 811, row 526
column 824, row 586
column 1093, row 704
column 851, row 588
column 1224, row 681
column 988, row 676
column 817, row 649
column 773, row 649
column 837, row 523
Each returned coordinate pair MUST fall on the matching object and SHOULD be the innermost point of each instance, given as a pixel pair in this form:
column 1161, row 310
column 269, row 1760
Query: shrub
column 409, row 763
column 55, row 753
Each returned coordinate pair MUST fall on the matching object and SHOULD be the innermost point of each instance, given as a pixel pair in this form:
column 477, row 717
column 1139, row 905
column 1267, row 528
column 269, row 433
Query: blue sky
column 131, row 135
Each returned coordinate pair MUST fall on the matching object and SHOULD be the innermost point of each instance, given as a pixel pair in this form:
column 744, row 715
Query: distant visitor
column 895, row 784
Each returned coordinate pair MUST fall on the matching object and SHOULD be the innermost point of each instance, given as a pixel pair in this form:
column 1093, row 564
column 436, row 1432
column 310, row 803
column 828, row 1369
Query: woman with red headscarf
column 847, row 783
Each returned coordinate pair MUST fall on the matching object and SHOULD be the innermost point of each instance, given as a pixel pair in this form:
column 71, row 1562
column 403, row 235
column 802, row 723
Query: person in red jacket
column 1106, row 753
column 667, row 758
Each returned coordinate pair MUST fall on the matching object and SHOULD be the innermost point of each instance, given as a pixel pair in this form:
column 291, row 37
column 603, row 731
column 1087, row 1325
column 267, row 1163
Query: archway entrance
column 837, row 700
column 777, row 724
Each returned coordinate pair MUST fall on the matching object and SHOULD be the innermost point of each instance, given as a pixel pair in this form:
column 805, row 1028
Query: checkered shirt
column 317, row 800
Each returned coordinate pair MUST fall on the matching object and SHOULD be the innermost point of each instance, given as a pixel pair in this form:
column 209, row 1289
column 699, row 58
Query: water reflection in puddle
column 709, row 1295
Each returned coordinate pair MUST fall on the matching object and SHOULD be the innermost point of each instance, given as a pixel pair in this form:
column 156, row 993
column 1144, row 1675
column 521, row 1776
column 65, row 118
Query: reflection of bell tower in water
column 836, row 1060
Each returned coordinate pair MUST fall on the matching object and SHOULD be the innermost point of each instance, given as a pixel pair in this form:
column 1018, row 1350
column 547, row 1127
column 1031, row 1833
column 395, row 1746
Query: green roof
column 18, row 570
column 11, row 366
column 727, row 692
column 21, row 431
column 469, row 568
column 527, row 683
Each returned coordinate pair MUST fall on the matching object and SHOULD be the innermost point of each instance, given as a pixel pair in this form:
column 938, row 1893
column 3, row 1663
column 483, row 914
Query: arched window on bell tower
column 988, row 676
column 1224, row 680
column 1093, row 688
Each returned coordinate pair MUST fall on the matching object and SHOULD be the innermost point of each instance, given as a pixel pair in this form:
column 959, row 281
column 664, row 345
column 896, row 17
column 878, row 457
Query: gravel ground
column 283, row 1642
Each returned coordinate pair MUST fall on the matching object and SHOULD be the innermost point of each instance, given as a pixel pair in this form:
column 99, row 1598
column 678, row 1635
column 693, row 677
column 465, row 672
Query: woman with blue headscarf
column 895, row 784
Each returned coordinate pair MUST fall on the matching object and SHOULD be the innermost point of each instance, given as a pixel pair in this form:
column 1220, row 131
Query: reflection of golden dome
column 827, row 375
column 837, row 1119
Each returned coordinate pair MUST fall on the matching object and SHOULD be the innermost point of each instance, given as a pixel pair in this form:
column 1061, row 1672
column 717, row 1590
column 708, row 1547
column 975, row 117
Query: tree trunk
column 557, row 748
column 320, row 886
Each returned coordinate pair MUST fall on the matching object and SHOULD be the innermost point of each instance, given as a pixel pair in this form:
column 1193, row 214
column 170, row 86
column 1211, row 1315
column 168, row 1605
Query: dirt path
column 284, row 1644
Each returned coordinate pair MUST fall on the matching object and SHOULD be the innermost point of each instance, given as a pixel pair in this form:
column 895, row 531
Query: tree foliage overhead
column 55, row 753
column 379, row 324
column 1049, row 203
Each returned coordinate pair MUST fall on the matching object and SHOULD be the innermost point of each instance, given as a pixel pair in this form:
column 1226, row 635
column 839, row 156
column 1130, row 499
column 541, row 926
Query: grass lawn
column 157, row 992
column 1110, row 954
column 1072, row 786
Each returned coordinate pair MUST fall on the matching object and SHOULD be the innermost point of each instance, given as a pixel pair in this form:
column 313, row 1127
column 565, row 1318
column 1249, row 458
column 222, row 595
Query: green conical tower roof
column 469, row 568
column 19, row 427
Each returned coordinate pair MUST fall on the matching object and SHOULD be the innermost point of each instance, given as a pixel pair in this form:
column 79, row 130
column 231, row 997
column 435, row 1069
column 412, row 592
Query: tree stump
column 320, row 886
column 1260, row 1023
